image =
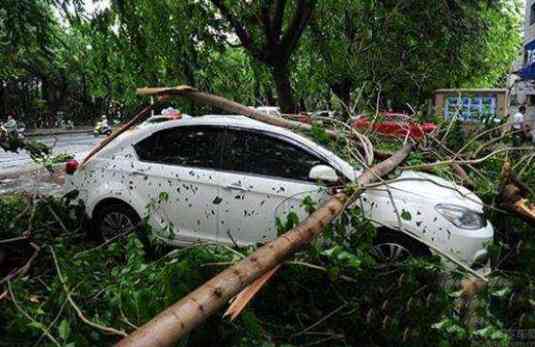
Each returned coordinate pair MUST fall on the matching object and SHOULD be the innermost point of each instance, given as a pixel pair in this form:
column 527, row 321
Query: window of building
column 532, row 14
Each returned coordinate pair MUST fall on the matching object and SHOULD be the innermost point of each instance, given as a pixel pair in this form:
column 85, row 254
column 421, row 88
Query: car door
column 265, row 178
column 177, row 174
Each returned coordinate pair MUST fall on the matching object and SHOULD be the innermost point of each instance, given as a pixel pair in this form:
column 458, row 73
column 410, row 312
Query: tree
column 271, row 36
column 408, row 49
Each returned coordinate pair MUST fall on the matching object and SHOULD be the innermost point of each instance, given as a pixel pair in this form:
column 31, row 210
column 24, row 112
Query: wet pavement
column 39, row 181
column 18, row 173
column 68, row 143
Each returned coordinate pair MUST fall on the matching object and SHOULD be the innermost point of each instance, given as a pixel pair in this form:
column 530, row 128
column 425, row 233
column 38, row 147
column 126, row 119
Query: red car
column 395, row 124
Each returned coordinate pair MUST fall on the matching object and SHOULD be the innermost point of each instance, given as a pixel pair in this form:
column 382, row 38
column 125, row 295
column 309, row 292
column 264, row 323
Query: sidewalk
column 58, row 131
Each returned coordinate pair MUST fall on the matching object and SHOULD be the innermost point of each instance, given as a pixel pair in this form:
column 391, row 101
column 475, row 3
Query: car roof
column 136, row 134
column 217, row 120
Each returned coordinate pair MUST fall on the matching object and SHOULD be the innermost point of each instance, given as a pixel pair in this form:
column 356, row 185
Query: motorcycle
column 102, row 129
column 20, row 130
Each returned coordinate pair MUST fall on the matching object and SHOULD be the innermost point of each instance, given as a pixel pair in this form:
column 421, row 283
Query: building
column 522, row 83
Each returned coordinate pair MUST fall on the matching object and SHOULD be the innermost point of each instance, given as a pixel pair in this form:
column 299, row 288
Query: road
column 19, row 173
column 76, row 144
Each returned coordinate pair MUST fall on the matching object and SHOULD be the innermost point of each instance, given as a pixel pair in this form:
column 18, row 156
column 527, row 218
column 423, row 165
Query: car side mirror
column 323, row 173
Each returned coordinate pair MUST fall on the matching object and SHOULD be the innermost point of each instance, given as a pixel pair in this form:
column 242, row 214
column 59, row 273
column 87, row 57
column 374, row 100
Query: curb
column 32, row 133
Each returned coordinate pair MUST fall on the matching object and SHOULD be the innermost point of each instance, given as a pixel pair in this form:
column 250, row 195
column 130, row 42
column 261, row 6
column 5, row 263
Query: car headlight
column 461, row 216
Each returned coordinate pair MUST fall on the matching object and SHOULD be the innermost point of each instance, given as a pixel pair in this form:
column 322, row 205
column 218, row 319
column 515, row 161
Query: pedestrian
column 519, row 126
column 529, row 127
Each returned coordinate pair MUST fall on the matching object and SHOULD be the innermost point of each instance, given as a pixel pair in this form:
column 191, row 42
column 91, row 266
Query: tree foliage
column 55, row 56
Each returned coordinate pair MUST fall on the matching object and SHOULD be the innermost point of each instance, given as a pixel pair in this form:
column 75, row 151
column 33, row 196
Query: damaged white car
column 227, row 178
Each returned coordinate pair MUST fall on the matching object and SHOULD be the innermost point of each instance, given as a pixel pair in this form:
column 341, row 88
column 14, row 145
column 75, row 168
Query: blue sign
column 528, row 71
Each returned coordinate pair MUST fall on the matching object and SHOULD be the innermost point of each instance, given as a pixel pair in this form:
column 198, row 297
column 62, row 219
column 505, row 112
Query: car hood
column 411, row 185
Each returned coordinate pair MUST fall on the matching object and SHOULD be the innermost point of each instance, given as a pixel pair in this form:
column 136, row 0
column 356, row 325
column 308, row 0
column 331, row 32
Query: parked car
column 269, row 110
column 164, row 118
column 395, row 124
column 227, row 178
column 324, row 113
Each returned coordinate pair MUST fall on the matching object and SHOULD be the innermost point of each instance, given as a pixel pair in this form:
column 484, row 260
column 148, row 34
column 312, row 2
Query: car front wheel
column 391, row 247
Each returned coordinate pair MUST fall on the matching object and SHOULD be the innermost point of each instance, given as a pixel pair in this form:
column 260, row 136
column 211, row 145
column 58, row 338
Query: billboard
column 471, row 108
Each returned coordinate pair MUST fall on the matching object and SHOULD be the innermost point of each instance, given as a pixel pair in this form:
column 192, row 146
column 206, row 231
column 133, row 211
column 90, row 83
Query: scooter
column 20, row 130
column 102, row 129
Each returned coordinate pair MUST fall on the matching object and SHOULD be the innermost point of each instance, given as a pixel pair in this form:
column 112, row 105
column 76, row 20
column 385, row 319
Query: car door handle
column 236, row 186
column 139, row 173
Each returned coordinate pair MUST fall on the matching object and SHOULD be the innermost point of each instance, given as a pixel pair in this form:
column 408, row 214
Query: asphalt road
column 18, row 173
column 76, row 144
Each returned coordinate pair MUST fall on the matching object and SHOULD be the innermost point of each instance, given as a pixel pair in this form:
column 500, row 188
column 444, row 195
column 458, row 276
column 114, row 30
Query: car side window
column 195, row 146
column 261, row 154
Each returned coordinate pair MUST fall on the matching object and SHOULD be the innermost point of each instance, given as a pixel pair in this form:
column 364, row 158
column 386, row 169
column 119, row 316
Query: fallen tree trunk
column 514, row 194
column 179, row 319
column 236, row 108
column 514, row 200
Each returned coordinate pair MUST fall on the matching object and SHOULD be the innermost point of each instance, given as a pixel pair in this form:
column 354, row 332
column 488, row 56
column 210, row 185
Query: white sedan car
column 227, row 178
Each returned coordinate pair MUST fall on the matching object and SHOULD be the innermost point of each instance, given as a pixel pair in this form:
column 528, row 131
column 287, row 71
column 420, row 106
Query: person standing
column 519, row 126
column 529, row 127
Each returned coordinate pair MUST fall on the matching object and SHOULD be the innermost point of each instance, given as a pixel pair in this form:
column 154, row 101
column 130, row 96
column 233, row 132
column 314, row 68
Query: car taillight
column 71, row 166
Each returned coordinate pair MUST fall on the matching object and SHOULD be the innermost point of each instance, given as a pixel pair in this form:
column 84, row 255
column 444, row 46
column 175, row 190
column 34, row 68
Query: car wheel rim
column 115, row 223
column 391, row 252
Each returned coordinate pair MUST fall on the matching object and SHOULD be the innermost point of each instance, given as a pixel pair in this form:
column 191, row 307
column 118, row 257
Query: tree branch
column 297, row 26
column 240, row 30
column 76, row 308
column 280, row 6
column 182, row 317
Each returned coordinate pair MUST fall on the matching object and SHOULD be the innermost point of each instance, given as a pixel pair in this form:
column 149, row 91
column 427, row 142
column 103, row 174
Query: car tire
column 392, row 246
column 114, row 219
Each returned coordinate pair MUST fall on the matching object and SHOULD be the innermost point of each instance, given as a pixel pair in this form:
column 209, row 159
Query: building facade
column 522, row 82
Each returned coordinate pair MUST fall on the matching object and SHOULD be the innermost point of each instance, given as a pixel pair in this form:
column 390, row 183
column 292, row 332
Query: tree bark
column 281, row 77
column 276, row 45
column 342, row 89
column 179, row 319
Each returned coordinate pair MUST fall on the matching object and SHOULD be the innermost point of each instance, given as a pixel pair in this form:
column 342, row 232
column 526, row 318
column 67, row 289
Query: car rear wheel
column 115, row 219
column 392, row 247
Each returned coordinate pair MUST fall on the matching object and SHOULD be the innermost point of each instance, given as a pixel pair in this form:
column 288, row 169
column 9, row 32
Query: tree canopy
column 55, row 56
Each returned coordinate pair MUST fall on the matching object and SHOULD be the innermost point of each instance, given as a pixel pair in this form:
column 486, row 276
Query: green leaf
column 164, row 197
column 406, row 215
column 64, row 329
column 36, row 325
column 502, row 292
